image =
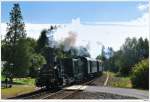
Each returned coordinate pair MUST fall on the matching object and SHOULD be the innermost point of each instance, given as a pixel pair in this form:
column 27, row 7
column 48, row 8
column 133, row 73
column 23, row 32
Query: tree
column 21, row 62
column 146, row 47
column 110, row 52
column 110, row 60
column 130, row 53
column 6, row 51
column 15, row 35
column 134, row 51
column 37, row 61
column 140, row 74
column 142, row 49
column 102, row 55
column 128, row 57
column 42, row 42
column 22, row 58
column 15, row 28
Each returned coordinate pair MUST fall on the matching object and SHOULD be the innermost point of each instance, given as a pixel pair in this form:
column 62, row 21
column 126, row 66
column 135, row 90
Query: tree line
column 129, row 59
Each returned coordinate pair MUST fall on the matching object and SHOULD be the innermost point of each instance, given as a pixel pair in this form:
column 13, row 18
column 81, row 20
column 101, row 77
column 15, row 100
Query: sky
column 94, row 23
column 64, row 12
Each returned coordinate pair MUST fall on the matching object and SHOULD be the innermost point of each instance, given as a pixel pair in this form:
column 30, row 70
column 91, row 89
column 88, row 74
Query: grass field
column 22, row 81
column 20, row 86
column 16, row 90
column 118, row 81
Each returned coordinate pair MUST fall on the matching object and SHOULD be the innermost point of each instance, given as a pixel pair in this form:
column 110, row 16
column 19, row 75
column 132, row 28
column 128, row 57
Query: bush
column 140, row 75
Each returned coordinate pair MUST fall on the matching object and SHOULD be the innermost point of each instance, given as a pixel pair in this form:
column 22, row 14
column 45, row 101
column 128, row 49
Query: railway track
column 73, row 92
column 38, row 94
column 62, row 94
column 66, row 94
column 53, row 94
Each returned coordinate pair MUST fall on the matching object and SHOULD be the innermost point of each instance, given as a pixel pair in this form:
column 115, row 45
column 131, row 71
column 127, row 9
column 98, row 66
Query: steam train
column 68, row 71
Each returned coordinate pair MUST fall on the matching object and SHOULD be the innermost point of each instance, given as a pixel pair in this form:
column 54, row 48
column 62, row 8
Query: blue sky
column 94, row 23
column 64, row 12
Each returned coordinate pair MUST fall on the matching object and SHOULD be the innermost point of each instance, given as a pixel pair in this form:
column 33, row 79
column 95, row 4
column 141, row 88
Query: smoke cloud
column 69, row 41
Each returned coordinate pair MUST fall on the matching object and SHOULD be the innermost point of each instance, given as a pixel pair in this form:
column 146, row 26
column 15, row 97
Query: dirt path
column 100, row 80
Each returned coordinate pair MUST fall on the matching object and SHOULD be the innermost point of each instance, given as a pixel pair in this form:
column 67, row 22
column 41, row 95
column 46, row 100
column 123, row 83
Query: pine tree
column 15, row 33
column 16, row 26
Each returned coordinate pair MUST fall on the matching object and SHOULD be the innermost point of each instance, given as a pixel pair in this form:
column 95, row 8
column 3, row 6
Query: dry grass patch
column 16, row 90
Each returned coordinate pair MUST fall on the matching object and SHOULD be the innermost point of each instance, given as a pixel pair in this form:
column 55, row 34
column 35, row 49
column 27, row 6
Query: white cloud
column 143, row 20
column 143, row 7
column 110, row 34
column 140, row 21
column 3, row 29
column 33, row 30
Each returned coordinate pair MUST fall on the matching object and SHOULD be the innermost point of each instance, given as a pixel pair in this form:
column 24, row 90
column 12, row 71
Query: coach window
column 90, row 66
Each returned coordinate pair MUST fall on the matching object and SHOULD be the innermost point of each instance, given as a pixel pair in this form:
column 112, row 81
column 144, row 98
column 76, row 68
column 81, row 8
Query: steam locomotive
column 67, row 71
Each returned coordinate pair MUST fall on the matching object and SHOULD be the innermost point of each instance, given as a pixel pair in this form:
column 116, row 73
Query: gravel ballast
column 99, row 95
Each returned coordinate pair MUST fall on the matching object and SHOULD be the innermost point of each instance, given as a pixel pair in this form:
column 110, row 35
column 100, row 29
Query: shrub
column 140, row 75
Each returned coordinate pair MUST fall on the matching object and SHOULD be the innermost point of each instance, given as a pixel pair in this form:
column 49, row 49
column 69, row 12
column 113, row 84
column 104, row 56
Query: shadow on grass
column 3, row 85
column 14, row 83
